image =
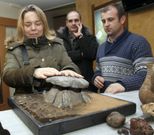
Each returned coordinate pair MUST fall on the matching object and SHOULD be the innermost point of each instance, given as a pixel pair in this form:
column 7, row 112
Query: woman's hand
column 43, row 73
column 70, row 73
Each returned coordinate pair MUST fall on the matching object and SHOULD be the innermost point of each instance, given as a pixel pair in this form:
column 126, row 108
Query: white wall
column 9, row 10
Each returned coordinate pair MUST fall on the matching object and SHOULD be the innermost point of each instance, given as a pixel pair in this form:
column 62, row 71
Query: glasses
column 73, row 20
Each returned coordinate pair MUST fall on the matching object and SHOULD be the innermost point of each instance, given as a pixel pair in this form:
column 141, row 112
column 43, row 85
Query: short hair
column 72, row 12
column 118, row 6
column 20, row 24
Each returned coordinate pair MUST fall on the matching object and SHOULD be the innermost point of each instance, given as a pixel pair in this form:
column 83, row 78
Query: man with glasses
column 80, row 44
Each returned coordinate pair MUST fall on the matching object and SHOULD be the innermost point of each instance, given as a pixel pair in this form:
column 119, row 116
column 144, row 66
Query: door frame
column 4, row 22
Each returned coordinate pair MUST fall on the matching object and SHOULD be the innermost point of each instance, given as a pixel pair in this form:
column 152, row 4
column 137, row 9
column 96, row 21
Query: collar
column 119, row 38
column 36, row 42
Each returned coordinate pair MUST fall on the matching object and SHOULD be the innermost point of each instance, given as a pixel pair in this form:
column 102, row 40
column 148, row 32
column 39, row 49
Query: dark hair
column 75, row 12
column 118, row 6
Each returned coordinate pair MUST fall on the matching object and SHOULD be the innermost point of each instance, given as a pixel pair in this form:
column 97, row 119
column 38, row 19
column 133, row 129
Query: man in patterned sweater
column 121, row 59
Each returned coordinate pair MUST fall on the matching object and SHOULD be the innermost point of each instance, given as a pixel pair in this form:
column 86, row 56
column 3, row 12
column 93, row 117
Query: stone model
column 67, row 91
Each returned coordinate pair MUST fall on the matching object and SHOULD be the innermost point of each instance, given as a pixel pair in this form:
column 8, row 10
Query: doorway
column 7, row 28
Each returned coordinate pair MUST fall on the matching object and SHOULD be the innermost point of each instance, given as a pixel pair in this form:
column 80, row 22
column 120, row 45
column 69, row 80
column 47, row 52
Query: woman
column 35, row 54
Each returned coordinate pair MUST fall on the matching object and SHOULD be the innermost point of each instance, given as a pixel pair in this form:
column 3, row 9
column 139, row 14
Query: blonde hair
column 49, row 34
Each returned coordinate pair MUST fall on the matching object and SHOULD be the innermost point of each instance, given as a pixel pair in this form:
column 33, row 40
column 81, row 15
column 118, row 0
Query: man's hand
column 78, row 33
column 99, row 82
column 114, row 88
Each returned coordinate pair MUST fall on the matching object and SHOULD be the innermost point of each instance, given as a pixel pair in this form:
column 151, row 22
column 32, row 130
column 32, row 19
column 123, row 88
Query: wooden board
column 86, row 115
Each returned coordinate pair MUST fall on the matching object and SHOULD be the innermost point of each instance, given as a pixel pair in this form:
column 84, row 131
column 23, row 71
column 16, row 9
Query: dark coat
column 82, row 50
column 45, row 54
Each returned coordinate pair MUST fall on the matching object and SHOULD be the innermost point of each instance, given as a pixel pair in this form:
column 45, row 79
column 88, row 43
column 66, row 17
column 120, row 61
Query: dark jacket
column 18, row 73
column 81, row 50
